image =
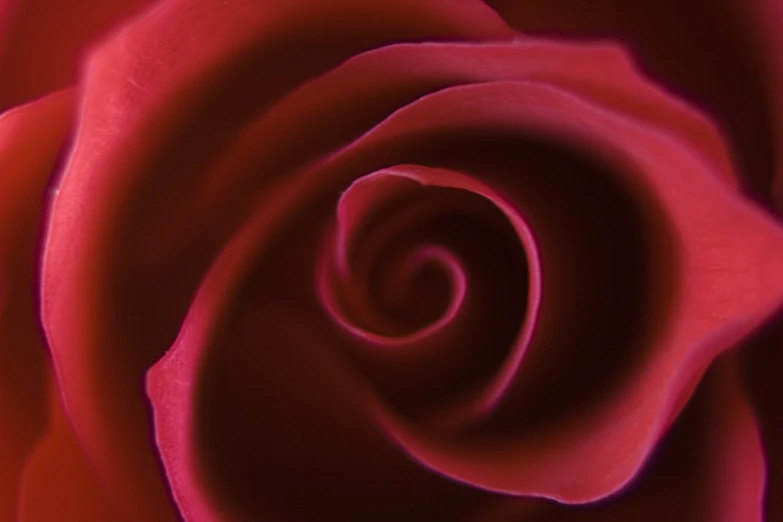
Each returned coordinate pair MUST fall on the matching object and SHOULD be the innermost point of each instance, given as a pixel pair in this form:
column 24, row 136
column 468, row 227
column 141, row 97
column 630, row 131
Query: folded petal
column 59, row 483
column 258, row 418
column 703, row 50
column 42, row 42
column 725, row 282
column 763, row 364
column 709, row 468
column 722, row 269
column 187, row 74
column 138, row 206
column 31, row 140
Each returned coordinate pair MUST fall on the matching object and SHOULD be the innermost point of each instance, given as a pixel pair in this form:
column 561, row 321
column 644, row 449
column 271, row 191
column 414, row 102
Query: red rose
column 341, row 260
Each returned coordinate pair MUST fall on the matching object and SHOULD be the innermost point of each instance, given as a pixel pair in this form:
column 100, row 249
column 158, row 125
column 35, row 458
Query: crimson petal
column 42, row 42
column 101, row 274
column 31, row 139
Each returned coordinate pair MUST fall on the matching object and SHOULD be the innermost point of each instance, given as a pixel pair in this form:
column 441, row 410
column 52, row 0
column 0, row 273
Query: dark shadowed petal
column 709, row 468
column 59, row 484
column 704, row 50
column 31, row 139
column 764, row 19
column 189, row 126
column 726, row 283
column 259, row 309
column 161, row 100
column 762, row 378
column 258, row 418
column 432, row 347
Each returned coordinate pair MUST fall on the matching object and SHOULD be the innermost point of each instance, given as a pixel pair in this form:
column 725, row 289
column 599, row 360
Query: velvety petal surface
column 713, row 53
column 59, row 483
column 763, row 362
column 31, row 139
column 198, row 136
column 258, row 377
column 161, row 100
column 42, row 42
column 717, row 300
column 709, row 467
column 405, row 280
column 712, row 310
column 682, row 52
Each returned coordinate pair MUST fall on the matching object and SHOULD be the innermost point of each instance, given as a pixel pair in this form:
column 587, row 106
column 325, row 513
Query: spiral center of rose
column 419, row 259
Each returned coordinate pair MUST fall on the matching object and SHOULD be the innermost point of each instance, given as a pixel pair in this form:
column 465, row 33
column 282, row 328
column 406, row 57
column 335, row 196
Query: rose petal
column 395, row 75
column 708, row 468
column 346, row 273
column 720, row 297
column 31, row 138
column 763, row 365
column 702, row 49
column 194, row 258
column 59, row 484
column 444, row 352
column 368, row 87
column 256, row 417
column 42, row 41
column 150, row 84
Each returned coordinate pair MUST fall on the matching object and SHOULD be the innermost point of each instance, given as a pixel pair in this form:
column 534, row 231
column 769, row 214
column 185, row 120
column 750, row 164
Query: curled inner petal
column 382, row 209
column 355, row 206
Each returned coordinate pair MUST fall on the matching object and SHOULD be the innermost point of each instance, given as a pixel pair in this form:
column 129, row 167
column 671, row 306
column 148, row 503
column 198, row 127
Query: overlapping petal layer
column 42, row 42
column 763, row 362
column 713, row 53
column 442, row 221
column 716, row 300
column 617, row 182
column 150, row 122
column 734, row 49
column 59, row 483
column 31, row 140
column 709, row 467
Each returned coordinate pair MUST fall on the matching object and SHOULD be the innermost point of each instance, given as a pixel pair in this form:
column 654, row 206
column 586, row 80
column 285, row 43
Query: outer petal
column 42, row 42
column 709, row 468
column 188, row 74
column 31, row 139
column 763, row 368
column 702, row 49
column 256, row 413
column 59, row 484
column 727, row 282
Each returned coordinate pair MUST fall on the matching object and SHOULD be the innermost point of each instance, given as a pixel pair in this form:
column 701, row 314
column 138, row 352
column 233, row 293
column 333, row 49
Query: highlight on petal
column 42, row 42
column 370, row 86
column 137, row 204
column 257, row 416
column 162, row 98
column 710, row 467
column 711, row 53
column 438, row 337
column 718, row 299
column 726, row 284
column 31, row 139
